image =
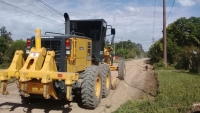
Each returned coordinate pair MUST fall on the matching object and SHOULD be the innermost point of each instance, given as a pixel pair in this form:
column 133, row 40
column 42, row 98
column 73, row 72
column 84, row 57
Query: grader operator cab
column 59, row 64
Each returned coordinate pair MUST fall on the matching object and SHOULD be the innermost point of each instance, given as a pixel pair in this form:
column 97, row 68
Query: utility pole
column 122, row 44
column 114, row 48
column 164, row 33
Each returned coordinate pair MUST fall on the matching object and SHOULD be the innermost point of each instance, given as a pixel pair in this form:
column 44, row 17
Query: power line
column 15, row 7
column 153, row 40
column 49, row 7
column 11, row 16
column 171, row 9
column 37, row 7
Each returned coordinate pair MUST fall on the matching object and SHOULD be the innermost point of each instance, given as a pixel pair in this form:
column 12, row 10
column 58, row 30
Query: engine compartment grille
column 52, row 45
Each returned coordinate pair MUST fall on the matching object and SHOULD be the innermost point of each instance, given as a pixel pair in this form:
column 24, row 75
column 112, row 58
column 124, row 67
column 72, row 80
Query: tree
column 107, row 43
column 128, row 49
column 3, row 47
column 155, row 52
column 183, row 36
column 185, row 32
column 139, row 46
column 17, row 45
column 122, row 53
column 6, row 34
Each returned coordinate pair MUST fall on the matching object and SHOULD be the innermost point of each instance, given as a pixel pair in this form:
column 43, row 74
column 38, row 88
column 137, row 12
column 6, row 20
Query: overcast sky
column 132, row 19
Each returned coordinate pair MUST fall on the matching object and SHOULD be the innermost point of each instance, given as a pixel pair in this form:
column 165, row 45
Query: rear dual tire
column 106, row 74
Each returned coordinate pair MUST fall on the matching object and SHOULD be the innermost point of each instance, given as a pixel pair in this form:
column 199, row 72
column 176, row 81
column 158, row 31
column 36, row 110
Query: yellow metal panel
column 14, row 67
column 34, row 60
column 78, row 60
column 89, row 52
column 114, row 68
column 34, row 88
column 38, row 38
column 37, row 88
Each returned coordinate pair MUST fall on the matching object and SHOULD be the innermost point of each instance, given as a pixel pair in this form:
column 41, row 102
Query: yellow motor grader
column 58, row 64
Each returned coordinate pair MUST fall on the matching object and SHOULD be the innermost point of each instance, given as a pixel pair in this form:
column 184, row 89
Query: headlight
column 68, row 52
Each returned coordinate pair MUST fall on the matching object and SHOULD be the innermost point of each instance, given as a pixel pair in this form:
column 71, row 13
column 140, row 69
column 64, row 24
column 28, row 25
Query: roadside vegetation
column 177, row 92
column 183, row 45
column 127, row 49
column 8, row 47
column 179, row 86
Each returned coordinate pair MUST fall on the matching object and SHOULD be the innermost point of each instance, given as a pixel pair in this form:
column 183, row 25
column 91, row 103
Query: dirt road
column 137, row 81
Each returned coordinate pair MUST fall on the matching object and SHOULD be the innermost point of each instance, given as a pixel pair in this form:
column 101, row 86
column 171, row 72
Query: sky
column 133, row 19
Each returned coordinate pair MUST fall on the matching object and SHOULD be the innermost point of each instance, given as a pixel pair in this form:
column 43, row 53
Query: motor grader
column 58, row 64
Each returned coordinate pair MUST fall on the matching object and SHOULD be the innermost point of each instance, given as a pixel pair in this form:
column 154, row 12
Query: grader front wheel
column 121, row 70
column 91, row 88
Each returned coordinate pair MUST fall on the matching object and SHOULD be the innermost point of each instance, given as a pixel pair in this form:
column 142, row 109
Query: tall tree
column 17, row 45
column 6, row 34
column 3, row 47
column 107, row 43
column 128, row 49
column 183, row 36
column 185, row 32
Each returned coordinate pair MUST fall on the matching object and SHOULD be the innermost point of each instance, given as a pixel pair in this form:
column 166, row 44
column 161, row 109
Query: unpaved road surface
column 137, row 83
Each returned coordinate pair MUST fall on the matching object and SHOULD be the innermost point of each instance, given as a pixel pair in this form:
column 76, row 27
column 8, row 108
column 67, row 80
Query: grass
column 177, row 92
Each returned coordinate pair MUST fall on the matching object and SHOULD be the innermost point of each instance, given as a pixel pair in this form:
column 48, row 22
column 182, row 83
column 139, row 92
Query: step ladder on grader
column 59, row 65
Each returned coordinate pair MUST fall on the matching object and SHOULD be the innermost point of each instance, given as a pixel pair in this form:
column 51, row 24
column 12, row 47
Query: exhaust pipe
column 67, row 23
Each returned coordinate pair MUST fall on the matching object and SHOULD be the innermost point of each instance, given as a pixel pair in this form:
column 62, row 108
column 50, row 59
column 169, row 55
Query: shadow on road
column 47, row 106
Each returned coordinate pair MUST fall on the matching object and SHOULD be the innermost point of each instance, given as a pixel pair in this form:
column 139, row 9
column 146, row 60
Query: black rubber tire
column 89, row 99
column 105, row 71
column 121, row 70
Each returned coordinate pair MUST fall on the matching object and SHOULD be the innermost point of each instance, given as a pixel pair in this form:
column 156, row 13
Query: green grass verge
column 177, row 92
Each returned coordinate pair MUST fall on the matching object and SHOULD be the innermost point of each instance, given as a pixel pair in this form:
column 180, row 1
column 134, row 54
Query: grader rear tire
column 121, row 70
column 106, row 74
column 91, row 88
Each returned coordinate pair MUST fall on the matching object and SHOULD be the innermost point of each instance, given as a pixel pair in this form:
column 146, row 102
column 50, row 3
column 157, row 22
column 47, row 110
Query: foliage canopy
column 183, row 39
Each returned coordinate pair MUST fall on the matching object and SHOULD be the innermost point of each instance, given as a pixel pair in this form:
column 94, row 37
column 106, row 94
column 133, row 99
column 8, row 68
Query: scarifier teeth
column 3, row 87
